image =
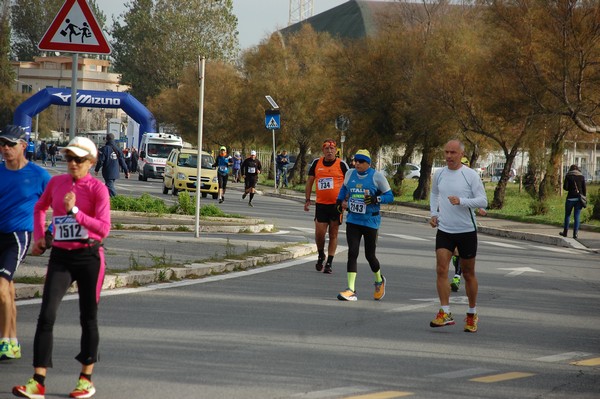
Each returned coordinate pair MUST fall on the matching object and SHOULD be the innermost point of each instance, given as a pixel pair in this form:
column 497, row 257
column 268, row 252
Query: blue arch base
column 85, row 98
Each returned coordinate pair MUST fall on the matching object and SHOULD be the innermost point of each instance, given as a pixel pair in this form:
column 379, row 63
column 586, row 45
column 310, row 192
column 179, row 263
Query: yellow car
column 181, row 173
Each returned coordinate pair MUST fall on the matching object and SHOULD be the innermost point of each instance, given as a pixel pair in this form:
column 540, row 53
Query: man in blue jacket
column 110, row 158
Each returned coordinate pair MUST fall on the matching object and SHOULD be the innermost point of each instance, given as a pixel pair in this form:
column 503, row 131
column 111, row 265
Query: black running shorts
column 465, row 242
column 326, row 213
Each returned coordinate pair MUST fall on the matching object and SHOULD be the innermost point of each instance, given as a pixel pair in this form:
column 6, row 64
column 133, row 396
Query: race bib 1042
column 66, row 228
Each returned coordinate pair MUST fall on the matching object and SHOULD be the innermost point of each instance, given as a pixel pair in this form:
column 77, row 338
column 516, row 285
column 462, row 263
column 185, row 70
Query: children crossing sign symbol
column 75, row 30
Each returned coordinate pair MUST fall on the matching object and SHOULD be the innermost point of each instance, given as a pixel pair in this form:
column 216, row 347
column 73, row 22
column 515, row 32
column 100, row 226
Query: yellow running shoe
column 16, row 349
column 84, row 389
column 379, row 289
column 31, row 390
column 471, row 322
column 442, row 319
column 347, row 295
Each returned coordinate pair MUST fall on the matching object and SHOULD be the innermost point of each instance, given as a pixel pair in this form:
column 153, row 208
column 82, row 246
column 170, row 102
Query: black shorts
column 326, row 213
column 222, row 179
column 13, row 248
column 250, row 181
column 466, row 243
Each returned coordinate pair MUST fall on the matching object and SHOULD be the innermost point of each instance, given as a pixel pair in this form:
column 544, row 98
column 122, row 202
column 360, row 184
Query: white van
column 154, row 150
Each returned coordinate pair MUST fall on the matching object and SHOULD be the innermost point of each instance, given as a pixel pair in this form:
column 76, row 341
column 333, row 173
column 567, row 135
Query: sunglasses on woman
column 77, row 160
column 360, row 161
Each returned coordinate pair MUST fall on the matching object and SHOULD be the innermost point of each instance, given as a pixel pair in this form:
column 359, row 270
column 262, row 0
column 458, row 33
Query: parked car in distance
column 181, row 173
column 411, row 171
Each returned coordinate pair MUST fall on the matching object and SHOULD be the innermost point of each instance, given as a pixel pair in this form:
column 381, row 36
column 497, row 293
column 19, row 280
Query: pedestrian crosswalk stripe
column 382, row 395
column 561, row 250
column 502, row 244
column 587, row 362
column 406, row 237
column 463, row 373
column 502, row 377
column 561, row 357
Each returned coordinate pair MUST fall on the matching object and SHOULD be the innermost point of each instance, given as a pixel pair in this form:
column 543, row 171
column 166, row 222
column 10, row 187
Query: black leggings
column 354, row 233
column 86, row 267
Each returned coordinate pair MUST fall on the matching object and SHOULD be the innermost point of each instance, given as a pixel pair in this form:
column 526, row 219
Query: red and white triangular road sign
column 75, row 30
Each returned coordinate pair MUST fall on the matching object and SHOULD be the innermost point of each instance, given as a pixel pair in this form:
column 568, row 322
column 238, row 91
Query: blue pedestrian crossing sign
column 272, row 119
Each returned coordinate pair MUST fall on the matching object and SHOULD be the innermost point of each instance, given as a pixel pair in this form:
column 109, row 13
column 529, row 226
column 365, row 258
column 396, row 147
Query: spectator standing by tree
column 574, row 185
column 282, row 162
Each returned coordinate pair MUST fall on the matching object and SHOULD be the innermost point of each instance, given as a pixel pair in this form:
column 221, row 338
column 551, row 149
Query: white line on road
column 405, row 237
column 553, row 249
column 517, row 271
column 502, row 244
column 331, row 393
column 407, row 308
column 562, row 357
column 463, row 373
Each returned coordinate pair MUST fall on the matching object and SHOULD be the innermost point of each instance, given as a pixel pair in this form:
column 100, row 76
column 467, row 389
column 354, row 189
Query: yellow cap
column 465, row 161
column 363, row 155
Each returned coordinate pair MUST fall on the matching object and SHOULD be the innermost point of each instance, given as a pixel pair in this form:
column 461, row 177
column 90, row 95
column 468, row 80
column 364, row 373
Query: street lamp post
column 342, row 123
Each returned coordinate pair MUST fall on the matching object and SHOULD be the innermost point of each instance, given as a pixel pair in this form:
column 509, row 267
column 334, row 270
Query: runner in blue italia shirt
column 363, row 191
column 21, row 185
column 222, row 163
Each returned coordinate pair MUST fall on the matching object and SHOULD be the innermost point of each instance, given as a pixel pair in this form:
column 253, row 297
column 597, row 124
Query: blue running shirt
column 19, row 191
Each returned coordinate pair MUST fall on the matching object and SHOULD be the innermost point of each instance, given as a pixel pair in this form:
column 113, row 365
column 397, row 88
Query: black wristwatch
column 73, row 211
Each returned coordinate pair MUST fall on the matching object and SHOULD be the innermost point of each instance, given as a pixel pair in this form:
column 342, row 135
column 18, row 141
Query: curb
column 164, row 275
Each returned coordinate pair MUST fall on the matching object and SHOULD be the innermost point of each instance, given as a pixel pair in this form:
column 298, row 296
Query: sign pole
column 202, row 65
column 274, row 164
column 272, row 122
column 73, row 124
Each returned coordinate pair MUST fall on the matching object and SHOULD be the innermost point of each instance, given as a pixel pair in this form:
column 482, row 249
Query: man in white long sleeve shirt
column 456, row 191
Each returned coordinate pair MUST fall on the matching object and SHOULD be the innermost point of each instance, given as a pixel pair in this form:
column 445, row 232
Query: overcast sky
column 256, row 18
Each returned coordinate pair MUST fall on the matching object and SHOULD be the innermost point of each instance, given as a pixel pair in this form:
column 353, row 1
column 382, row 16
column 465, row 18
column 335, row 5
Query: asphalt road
column 280, row 332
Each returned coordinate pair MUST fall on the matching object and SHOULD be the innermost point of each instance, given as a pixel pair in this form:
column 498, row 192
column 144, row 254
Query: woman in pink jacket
column 81, row 220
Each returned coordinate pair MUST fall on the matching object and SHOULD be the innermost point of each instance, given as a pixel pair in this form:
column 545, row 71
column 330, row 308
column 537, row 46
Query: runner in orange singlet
column 328, row 174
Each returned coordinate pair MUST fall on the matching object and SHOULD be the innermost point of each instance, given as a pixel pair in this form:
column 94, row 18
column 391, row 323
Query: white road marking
column 453, row 299
column 331, row 393
column 464, row 373
column 556, row 249
column 405, row 237
column 517, row 271
column 407, row 308
column 502, row 244
column 562, row 357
